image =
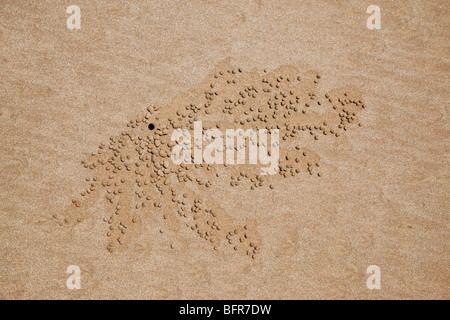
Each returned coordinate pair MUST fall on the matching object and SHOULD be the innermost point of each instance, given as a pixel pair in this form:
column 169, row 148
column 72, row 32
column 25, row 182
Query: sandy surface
column 382, row 198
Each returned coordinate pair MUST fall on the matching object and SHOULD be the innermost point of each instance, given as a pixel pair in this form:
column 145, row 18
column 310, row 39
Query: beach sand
column 365, row 180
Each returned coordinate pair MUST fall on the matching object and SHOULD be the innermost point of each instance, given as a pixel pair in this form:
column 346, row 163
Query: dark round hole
column 151, row 126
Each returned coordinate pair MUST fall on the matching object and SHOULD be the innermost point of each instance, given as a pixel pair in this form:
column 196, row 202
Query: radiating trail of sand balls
column 134, row 173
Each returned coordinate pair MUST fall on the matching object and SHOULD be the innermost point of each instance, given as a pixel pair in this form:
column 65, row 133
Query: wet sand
column 375, row 194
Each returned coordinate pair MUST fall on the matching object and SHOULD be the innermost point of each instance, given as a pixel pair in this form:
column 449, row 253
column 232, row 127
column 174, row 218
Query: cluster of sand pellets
column 136, row 176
